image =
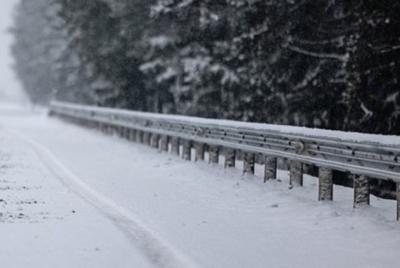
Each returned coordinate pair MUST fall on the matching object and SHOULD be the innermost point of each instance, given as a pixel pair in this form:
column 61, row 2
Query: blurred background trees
column 316, row 63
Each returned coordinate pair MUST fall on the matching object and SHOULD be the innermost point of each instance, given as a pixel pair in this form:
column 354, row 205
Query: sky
column 10, row 88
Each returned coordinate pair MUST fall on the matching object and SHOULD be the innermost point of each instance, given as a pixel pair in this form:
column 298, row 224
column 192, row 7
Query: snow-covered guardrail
column 365, row 156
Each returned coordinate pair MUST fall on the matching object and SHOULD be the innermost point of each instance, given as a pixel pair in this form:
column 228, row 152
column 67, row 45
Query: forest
column 331, row 64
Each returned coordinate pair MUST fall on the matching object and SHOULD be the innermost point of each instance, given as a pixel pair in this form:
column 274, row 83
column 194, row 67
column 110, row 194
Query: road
column 111, row 203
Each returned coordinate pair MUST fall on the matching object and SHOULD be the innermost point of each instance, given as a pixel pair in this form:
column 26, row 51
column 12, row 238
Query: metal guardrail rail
column 364, row 159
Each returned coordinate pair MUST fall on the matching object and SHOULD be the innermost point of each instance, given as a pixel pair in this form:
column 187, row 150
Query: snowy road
column 104, row 202
column 44, row 224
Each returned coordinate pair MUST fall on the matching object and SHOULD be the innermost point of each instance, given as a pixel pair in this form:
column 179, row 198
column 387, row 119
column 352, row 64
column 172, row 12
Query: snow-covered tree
column 44, row 62
column 318, row 63
column 373, row 67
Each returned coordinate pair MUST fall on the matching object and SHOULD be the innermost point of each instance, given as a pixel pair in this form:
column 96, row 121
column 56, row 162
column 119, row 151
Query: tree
column 43, row 61
column 316, row 63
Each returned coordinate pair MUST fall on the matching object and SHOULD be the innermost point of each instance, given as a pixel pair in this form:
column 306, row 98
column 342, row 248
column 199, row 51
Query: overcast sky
column 10, row 89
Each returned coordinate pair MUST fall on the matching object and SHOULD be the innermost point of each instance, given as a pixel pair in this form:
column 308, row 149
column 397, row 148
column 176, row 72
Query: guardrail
column 365, row 156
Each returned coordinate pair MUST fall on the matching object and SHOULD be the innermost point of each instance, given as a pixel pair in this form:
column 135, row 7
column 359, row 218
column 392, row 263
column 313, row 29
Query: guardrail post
column 139, row 136
column 398, row 200
column 175, row 146
column 325, row 191
column 199, row 151
column 123, row 132
column 109, row 129
column 296, row 173
column 127, row 133
column 230, row 157
column 146, row 138
column 361, row 191
column 103, row 128
column 132, row 135
column 213, row 153
column 164, row 143
column 116, row 130
column 249, row 163
column 154, row 140
column 270, row 168
column 119, row 131
column 187, row 150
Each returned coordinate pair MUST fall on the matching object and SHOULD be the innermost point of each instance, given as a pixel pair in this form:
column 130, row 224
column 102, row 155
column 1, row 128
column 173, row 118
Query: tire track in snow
column 158, row 251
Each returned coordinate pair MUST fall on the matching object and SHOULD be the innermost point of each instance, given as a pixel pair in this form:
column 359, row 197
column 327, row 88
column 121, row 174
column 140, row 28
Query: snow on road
column 44, row 224
column 184, row 213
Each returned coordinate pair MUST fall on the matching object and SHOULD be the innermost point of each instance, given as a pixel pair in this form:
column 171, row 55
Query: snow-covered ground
column 92, row 200
column 44, row 224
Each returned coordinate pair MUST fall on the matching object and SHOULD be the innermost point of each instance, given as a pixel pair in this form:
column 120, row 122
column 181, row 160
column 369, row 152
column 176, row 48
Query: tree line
column 316, row 63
